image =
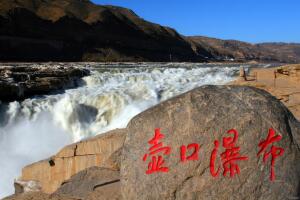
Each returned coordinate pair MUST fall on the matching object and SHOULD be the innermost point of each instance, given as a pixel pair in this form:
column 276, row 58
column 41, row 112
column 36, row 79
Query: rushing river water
column 37, row 128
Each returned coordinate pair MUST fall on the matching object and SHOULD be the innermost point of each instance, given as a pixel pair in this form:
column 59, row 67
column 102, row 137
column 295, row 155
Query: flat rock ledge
column 118, row 165
column 21, row 81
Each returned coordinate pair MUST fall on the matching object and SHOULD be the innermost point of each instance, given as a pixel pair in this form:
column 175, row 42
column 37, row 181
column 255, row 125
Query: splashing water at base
column 25, row 142
column 37, row 128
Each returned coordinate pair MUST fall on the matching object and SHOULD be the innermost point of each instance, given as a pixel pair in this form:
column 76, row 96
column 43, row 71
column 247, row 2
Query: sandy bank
column 282, row 82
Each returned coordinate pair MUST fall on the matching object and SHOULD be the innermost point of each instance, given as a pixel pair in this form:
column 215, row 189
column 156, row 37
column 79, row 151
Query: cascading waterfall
column 37, row 128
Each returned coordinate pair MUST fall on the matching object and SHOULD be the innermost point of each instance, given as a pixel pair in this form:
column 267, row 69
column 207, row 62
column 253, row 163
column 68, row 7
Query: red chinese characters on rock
column 229, row 157
column 194, row 156
column 157, row 162
column 227, row 160
column 274, row 151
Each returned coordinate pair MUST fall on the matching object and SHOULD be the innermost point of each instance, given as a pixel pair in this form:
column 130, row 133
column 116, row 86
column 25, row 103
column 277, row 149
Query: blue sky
column 248, row 20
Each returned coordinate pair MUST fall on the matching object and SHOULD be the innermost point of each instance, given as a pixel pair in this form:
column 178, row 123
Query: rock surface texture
column 93, row 183
column 37, row 196
column 201, row 117
column 20, row 81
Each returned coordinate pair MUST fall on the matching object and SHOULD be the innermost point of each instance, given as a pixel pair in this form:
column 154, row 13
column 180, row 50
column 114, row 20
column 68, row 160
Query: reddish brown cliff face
column 79, row 30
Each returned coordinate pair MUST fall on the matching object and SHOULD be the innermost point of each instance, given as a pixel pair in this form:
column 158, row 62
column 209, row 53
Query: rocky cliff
column 214, row 142
column 21, row 81
column 78, row 30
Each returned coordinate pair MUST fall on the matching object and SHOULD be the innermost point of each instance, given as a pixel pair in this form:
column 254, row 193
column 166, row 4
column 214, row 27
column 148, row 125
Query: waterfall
column 38, row 127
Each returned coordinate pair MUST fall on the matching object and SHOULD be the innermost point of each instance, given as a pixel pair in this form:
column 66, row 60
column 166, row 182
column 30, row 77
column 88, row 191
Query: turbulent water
column 38, row 127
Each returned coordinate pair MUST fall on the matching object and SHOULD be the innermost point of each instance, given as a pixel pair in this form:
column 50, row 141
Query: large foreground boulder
column 218, row 142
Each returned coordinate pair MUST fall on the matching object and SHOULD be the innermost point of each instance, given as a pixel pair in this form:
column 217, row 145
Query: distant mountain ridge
column 241, row 51
column 78, row 30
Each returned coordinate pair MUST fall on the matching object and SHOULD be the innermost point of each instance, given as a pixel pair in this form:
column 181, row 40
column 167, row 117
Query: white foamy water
column 37, row 128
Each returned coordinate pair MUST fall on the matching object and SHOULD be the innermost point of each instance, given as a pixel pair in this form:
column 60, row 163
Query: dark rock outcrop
column 22, row 81
column 75, row 30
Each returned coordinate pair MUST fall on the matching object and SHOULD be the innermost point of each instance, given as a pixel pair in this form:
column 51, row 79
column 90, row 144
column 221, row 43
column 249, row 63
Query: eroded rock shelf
column 20, row 81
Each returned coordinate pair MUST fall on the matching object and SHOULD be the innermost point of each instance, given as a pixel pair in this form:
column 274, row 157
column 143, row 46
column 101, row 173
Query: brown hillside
column 78, row 30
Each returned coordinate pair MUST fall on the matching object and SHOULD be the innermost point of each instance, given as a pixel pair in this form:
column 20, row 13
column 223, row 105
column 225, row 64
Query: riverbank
column 282, row 82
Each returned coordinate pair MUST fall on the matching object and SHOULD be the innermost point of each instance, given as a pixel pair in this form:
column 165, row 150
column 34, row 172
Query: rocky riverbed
column 20, row 81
